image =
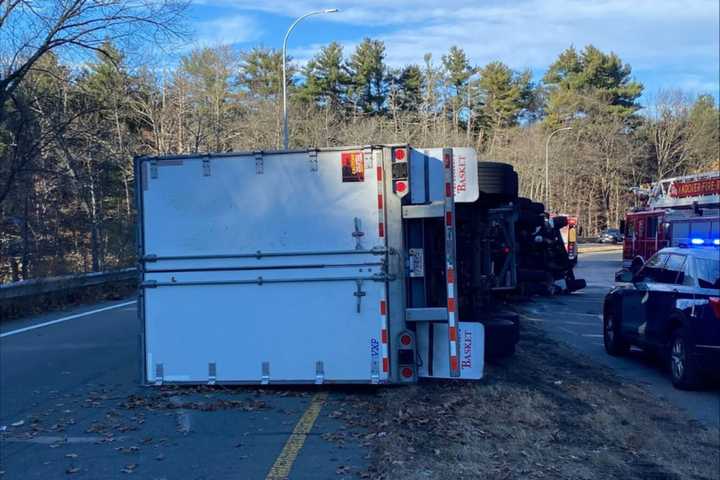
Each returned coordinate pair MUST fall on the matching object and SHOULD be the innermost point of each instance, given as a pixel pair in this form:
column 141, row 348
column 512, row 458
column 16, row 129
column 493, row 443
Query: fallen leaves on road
column 545, row 413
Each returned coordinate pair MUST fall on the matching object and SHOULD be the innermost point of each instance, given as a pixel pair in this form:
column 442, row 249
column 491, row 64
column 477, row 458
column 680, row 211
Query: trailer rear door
column 263, row 268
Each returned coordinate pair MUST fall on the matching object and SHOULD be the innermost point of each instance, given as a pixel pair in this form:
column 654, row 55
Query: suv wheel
column 682, row 367
column 614, row 343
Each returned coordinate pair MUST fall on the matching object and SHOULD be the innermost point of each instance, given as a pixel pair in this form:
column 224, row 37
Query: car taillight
column 715, row 305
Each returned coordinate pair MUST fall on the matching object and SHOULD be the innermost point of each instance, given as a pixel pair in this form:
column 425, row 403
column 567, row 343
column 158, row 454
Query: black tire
column 495, row 178
column 523, row 203
column 501, row 335
column 537, row 207
column 612, row 338
column 515, row 184
column 683, row 370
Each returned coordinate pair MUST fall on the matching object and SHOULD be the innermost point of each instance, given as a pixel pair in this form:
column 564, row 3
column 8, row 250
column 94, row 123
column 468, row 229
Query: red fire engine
column 679, row 211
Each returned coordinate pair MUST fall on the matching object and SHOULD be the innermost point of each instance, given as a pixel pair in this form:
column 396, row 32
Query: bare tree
column 30, row 29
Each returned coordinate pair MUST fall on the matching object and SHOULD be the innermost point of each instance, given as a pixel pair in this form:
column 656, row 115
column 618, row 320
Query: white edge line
column 65, row 319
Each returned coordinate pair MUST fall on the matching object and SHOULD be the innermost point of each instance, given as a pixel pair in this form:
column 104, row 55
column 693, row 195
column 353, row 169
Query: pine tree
column 457, row 71
column 504, row 94
column 261, row 72
column 367, row 71
column 590, row 83
column 326, row 78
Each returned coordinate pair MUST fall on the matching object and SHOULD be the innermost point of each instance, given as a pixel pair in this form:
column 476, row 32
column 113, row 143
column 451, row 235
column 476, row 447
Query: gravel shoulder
column 547, row 412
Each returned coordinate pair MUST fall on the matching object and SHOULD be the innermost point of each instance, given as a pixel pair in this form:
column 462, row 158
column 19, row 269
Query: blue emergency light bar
column 700, row 242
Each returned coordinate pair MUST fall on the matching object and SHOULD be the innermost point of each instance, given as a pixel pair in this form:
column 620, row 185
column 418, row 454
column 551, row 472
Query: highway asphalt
column 576, row 320
column 64, row 412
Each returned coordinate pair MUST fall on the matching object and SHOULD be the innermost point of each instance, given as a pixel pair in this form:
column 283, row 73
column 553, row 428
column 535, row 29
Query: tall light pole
column 284, row 69
column 547, row 166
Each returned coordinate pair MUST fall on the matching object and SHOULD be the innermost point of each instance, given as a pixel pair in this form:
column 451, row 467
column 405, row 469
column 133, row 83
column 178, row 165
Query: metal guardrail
column 41, row 286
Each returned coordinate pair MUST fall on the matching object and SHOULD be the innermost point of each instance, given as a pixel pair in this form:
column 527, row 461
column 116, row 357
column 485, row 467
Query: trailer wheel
column 537, row 207
column 497, row 179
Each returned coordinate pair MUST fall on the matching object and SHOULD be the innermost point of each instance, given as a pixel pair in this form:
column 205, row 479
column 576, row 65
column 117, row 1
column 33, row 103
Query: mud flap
column 434, row 356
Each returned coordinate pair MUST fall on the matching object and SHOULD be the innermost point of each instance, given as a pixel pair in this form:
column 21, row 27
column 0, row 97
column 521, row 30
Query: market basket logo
column 467, row 349
column 353, row 167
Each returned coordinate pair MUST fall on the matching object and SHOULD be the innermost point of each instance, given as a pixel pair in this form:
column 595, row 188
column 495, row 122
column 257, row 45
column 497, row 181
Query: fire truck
column 680, row 211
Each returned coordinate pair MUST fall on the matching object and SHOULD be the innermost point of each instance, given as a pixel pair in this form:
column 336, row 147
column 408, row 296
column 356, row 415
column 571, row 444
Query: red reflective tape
column 453, row 363
column 452, row 332
column 379, row 174
column 384, row 336
column 451, row 305
column 386, row 365
column 448, row 190
column 381, row 229
column 380, row 201
column 448, row 219
column 450, row 275
column 383, row 307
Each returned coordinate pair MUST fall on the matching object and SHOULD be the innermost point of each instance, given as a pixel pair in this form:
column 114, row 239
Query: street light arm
column 547, row 165
column 284, row 67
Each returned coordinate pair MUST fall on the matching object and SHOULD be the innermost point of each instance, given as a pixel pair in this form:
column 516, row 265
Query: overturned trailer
column 340, row 265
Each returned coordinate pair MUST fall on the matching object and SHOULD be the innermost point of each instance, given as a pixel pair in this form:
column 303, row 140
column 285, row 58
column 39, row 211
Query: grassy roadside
column 545, row 413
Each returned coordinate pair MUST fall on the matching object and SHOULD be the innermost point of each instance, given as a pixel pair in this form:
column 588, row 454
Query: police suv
column 670, row 306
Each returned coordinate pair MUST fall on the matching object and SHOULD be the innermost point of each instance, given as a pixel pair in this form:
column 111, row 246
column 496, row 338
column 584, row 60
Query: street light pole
column 547, row 166
column 284, row 69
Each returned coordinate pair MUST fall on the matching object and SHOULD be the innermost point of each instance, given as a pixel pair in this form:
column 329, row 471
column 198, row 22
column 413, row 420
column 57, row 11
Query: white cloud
column 226, row 30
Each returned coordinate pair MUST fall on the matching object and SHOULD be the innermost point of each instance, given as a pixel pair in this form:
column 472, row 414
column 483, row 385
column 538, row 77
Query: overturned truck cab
column 339, row 265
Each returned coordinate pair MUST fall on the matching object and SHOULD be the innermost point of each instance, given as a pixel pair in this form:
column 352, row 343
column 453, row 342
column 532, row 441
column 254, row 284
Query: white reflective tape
column 451, row 290
column 453, row 349
column 682, row 304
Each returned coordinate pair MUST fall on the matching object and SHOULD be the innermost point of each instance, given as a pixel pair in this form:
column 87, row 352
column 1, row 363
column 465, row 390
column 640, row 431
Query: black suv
column 671, row 306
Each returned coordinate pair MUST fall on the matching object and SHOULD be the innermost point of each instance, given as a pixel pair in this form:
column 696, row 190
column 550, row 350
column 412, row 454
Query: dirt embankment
column 545, row 413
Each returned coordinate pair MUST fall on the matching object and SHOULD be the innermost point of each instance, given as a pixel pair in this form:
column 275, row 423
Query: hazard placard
column 353, row 167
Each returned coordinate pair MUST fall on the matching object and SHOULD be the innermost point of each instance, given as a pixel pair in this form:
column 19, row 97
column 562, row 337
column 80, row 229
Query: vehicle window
column 708, row 272
column 700, row 230
column 689, row 278
column 657, row 260
column 653, row 270
column 674, row 269
column 680, row 233
column 652, row 227
column 630, row 228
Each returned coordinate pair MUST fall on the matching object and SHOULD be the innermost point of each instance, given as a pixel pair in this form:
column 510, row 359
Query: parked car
column 670, row 306
column 611, row 235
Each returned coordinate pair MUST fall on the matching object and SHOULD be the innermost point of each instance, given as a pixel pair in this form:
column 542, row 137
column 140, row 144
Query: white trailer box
column 282, row 267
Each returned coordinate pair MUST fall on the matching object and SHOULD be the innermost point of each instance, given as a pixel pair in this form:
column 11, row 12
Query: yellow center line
column 284, row 462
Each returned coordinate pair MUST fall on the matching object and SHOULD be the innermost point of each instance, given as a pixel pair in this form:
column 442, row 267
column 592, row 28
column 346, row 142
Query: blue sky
column 669, row 43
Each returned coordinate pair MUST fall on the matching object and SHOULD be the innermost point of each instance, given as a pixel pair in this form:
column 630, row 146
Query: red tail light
column 406, row 372
column 715, row 305
column 405, row 339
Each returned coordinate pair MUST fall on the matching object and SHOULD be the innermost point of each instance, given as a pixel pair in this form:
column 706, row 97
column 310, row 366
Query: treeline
column 68, row 134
